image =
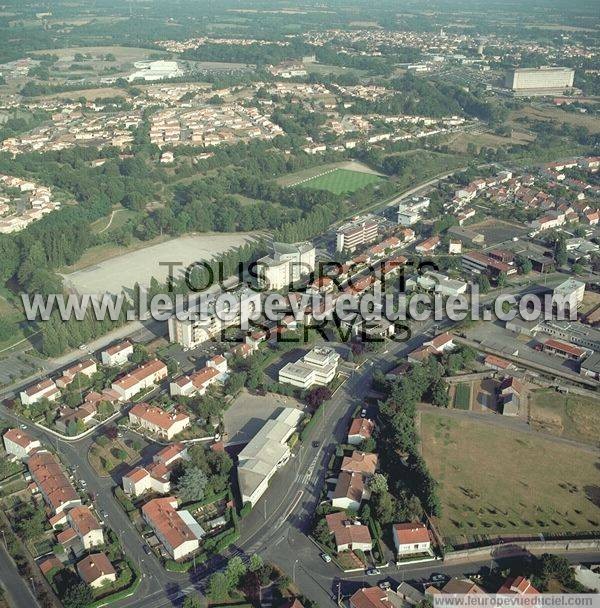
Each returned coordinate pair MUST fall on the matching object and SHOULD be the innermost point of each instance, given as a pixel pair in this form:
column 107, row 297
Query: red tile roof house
column 86, row 526
column 56, row 489
column 360, row 429
column 158, row 421
column 137, row 380
column 350, row 491
column 370, row 597
column 172, row 527
column 497, row 363
column 117, row 354
column 441, row 343
column 349, row 535
column 360, row 462
column 156, row 476
column 411, row 538
column 87, row 367
column 428, row 245
column 96, row 570
column 518, row 585
column 19, row 444
column 46, row 389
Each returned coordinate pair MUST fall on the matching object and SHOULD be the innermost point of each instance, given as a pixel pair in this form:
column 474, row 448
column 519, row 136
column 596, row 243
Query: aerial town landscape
column 299, row 303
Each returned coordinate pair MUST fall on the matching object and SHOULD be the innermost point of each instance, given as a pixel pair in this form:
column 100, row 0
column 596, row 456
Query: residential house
column 117, row 354
column 517, row 585
column 96, row 570
column 350, row 491
column 177, row 530
column 87, row 367
column 46, row 389
column 19, row 443
column 360, row 430
column 428, row 245
column 349, row 535
column 411, row 538
column 156, row 420
column 360, row 462
column 370, row 597
column 143, row 377
column 86, row 526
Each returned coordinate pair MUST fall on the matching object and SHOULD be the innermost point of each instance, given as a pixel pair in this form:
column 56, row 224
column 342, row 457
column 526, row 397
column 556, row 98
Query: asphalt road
column 18, row 591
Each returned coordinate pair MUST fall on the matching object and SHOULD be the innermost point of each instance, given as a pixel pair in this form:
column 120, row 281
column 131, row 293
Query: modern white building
column 359, row 231
column 286, row 265
column 318, row 366
column 440, row 283
column 117, row 354
column 411, row 211
column 568, row 296
column 265, row 454
column 155, row 70
column 540, row 81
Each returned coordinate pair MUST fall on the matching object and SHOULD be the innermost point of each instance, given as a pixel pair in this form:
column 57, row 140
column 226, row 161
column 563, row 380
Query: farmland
column 502, row 483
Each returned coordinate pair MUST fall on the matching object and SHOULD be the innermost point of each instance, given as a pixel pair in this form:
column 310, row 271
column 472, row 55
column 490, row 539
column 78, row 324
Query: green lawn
column 340, row 181
column 462, row 396
column 495, row 481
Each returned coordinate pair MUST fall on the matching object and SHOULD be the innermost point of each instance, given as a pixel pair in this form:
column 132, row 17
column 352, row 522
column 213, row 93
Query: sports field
column 339, row 181
column 501, row 482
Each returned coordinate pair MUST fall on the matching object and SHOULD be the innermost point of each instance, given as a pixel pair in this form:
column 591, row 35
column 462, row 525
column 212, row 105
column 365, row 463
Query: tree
column 191, row 485
column 484, row 283
column 78, row 596
column 560, row 250
column 192, row 601
column 256, row 562
column 524, row 264
column 317, row 396
column 378, row 484
column 384, row 507
column 234, row 572
column 218, row 588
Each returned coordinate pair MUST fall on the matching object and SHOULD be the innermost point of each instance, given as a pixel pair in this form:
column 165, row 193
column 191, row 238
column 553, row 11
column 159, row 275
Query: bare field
column 497, row 231
column 123, row 271
column 502, row 482
column 460, row 141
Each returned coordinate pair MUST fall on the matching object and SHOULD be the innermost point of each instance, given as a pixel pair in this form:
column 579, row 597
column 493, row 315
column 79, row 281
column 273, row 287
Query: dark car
column 147, row 549
column 316, row 444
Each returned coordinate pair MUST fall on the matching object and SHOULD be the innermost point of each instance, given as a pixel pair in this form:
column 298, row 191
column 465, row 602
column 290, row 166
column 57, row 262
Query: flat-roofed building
column 266, row 452
column 540, row 81
column 317, row 367
column 359, row 231
column 286, row 266
column 568, row 296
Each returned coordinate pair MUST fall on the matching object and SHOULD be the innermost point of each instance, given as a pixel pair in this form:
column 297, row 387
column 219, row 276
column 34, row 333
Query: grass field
column 556, row 116
column 504, row 482
column 462, row 397
column 291, row 179
column 340, row 181
column 572, row 416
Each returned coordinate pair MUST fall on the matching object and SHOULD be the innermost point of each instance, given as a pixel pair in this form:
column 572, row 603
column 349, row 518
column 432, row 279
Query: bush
column 245, row 510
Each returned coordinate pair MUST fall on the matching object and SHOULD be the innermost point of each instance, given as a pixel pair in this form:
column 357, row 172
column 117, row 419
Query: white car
column 326, row 558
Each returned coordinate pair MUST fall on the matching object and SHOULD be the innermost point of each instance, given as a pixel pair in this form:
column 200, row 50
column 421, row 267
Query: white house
column 44, row 389
column 162, row 423
column 117, row 354
column 411, row 538
column 86, row 526
column 19, row 444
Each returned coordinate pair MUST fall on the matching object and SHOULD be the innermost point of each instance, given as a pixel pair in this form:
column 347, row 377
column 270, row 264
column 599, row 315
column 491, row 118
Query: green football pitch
column 339, row 181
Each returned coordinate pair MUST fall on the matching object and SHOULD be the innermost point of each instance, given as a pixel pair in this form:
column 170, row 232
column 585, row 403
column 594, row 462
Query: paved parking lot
column 246, row 415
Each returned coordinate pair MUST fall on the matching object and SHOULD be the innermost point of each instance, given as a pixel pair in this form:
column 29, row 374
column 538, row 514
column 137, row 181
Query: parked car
column 385, row 585
column 363, row 413
column 373, row 572
column 326, row 558
column 316, row 444
column 438, row 578
column 147, row 549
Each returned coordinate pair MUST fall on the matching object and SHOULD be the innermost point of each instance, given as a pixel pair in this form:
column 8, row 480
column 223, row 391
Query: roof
column 19, row 437
column 360, row 462
column 362, row 427
column 117, row 348
column 457, row 585
column 161, row 514
column 511, row 382
column 497, row 362
column 136, row 475
column 94, row 566
column 141, row 373
column 156, row 415
column 169, row 452
column 440, row 340
column 200, row 378
column 518, row 585
column 83, row 521
column 564, row 347
column 79, row 367
column 370, row 597
column 49, row 563
column 411, row 533
column 50, row 478
column 347, row 532
column 349, row 485
column 66, row 535
column 39, row 387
